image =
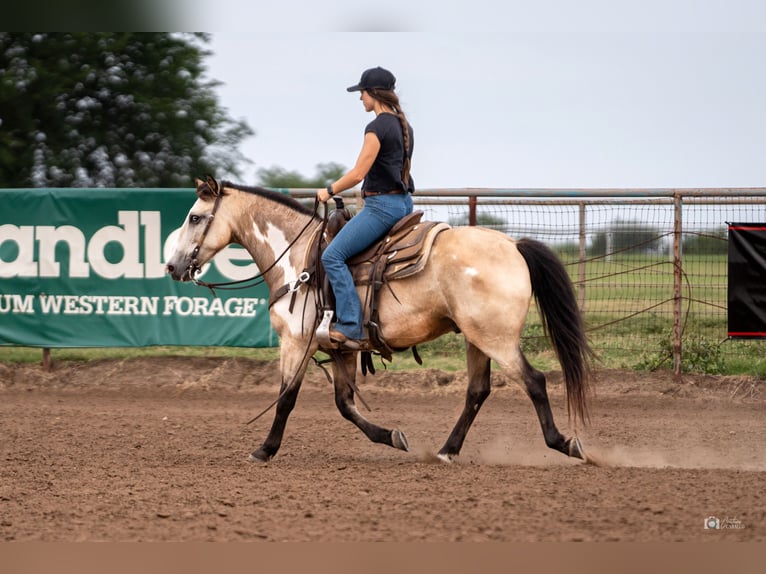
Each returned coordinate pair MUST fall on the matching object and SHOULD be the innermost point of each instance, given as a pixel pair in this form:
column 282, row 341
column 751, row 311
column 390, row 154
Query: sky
column 589, row 94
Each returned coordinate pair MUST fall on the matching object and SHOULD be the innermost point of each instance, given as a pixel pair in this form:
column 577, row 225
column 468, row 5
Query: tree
column 110, row 110
column 627, row 237
column 482, row 220
column 281, row 178
column 713, row 242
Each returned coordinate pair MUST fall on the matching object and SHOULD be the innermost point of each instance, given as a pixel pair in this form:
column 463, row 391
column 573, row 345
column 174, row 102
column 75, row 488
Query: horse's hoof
column 398, row 440
column 576, row 450
column 259, row 456
column 445, row 458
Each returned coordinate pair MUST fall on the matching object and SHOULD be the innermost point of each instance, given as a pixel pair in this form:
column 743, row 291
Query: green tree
column 111, row 110
column 281, row 178
column 626, row 237
column 482, row 220
column 714, row 242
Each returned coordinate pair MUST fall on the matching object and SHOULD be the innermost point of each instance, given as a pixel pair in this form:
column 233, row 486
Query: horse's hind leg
column 478, row 390
column 534, row 384
column 344, row 373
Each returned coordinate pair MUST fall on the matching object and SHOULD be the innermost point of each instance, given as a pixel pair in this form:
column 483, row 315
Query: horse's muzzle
column 180, row 274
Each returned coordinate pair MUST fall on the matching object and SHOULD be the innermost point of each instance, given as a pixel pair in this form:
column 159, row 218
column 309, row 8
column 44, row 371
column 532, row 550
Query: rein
column 259, row 278
column 256, row 279
column 334, row 354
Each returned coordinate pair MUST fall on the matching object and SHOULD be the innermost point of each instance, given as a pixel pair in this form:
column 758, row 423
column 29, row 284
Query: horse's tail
column 562, row 321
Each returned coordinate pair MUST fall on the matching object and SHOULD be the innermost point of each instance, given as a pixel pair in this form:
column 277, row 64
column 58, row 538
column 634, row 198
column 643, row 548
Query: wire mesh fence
column 650, row 266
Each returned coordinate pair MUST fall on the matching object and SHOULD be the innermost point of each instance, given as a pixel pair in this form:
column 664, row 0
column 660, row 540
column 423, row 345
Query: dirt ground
column 155, row 449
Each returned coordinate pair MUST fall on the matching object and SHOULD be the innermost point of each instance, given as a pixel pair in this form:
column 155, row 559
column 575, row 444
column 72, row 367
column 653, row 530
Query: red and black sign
column 747, row 280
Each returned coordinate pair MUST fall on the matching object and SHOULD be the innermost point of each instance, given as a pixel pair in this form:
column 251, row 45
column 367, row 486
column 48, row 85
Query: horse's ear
column 213, row 184
column 202, row 188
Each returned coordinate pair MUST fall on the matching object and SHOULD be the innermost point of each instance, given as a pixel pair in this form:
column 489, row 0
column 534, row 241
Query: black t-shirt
column 386, row 171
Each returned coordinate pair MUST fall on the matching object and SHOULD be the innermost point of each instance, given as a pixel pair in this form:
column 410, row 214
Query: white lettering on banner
column 129, row 266
column 48, row 236
column 23, row 236
column 98, row 305
column 14, row 303
column 199, row 306
column 152, row 241
column 232, row 262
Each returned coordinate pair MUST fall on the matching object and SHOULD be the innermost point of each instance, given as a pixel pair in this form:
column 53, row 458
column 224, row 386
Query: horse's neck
column 276, row 237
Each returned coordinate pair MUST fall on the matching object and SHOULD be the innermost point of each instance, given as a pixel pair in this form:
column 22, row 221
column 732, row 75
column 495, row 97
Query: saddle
column 403, row 252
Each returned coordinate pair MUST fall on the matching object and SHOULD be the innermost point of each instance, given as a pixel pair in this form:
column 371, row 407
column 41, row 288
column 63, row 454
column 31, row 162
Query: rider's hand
column 323, row 195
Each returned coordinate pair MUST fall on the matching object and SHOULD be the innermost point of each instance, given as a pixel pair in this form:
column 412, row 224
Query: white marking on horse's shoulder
column 471, row 271
column 257, row 233
column 276, row 239
column 294, row 322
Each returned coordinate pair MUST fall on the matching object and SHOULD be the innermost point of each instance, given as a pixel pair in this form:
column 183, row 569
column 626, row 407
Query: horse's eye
column 194, row 218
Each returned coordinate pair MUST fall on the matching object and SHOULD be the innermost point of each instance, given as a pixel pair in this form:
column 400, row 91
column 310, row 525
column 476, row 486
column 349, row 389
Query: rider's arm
column 356, row 174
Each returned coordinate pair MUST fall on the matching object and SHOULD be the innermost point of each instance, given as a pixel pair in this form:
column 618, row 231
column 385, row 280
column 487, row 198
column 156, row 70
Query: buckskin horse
column 476, row 281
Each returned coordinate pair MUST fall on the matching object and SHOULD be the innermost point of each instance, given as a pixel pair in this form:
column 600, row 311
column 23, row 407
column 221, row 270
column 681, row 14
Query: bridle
column 194, row 266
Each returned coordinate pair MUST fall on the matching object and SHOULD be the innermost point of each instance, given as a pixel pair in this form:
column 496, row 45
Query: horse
column 476, row 281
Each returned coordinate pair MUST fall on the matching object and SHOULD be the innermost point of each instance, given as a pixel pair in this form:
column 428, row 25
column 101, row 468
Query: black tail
column 562, row 321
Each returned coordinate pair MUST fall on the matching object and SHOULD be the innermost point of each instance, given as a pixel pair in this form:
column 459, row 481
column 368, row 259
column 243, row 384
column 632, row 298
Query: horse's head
column 199, row 239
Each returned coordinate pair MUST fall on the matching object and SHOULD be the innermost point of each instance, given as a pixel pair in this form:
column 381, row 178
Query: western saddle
column 403, row 252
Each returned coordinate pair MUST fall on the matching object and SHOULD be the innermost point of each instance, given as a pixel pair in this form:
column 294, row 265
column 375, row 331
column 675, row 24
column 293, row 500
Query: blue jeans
column 378, row 216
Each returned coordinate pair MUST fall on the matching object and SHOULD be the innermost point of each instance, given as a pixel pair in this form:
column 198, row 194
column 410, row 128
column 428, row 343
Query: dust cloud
column 502, row 452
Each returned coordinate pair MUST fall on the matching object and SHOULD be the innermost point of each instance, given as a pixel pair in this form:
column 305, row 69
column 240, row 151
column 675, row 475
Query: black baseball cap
column 379, row 78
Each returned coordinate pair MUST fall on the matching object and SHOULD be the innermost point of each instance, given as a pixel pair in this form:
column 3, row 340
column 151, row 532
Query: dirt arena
column 155, row 449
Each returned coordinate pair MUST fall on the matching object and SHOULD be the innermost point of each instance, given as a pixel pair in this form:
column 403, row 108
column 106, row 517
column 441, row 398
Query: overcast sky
column 599, row 94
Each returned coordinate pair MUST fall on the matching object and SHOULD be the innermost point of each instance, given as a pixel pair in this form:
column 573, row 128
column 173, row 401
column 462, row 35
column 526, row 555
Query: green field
column 629, row 311
column 628, row 314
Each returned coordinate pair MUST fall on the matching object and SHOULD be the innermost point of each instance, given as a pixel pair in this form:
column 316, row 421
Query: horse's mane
column 282, row 198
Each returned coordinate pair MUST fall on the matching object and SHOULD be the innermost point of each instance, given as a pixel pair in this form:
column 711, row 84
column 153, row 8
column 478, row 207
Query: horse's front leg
column 294, row 359
column 344, row 375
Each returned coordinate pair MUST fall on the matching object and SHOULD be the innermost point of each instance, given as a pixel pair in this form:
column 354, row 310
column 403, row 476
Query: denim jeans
column 378, row 216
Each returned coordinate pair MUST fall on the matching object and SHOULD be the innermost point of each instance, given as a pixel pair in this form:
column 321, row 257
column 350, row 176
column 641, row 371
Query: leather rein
column 255, row 280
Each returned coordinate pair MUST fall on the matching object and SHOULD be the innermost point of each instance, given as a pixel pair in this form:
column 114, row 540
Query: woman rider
column 384, row 167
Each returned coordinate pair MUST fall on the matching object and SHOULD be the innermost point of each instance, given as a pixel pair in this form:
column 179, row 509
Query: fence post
column 677, row 282
column 609, row 243
column 472, row 211
column 581, row 262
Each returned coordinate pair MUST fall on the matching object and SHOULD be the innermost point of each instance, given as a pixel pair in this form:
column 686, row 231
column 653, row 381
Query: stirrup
column 323, row 331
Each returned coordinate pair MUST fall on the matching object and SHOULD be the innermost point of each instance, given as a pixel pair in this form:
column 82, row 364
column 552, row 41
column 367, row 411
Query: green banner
column 85, row 268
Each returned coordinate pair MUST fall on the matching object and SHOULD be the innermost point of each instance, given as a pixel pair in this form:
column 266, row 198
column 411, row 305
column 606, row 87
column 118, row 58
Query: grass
column 34, row 355
column 614, row 290
column 448, row 354
column 643, row 285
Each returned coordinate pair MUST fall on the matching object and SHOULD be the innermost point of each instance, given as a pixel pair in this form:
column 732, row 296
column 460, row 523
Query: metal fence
column 650, row 265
